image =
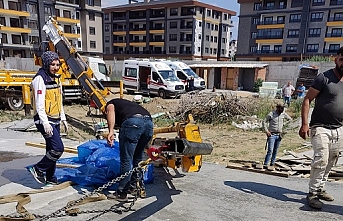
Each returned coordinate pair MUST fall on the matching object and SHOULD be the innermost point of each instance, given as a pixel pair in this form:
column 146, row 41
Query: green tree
column 257, row 85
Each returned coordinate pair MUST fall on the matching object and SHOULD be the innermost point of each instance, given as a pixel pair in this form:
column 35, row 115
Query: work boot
column 37, row 174
column 323, row 195
column 119, row 196
column 313, row 201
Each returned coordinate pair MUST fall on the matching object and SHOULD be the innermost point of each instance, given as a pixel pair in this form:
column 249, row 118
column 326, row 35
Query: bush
column 257, row 85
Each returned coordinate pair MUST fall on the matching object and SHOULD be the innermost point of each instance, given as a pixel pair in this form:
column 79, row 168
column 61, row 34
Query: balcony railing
column 334, row 35
column 119, row 18
column 329, row 51
column 338, row 2
column 335, row 19
column 186, row 27
column 274, row 22
column 312, row 50
column 138, row 29
column 269, row 36
column 119, row 41
column 185, row 52
column 119, row 29
column 157, row 28
column 157, row 40
column 268, row 51
column 275, row 7
column 137, row 40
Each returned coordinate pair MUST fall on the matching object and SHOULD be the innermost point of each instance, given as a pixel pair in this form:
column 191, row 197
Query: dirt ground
column 229, row 143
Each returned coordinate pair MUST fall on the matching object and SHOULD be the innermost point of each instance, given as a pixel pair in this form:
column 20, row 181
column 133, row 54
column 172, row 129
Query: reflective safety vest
column 53, row 98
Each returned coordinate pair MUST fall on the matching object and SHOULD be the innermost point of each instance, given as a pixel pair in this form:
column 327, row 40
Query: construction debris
column 292, row 164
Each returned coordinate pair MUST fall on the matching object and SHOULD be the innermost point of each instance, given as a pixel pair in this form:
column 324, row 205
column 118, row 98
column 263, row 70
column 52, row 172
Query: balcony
column 72, row 35
column 15, row 29
column 67, row 20
column 119, row 44
column 138, row 32
column 186, row 26
column 119, row 32
column 14, row 12
column 137, row 43
column 156, row 31
column 332, row 35
column 330, row 51
column 277, row 36
column 271, row 24
column 275, row 7
column 335, row 21
column 268, row 52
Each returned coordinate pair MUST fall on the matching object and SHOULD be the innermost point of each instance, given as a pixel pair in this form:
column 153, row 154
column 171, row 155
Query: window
column 200, row 23
column 256, row 21
column 253, row 35
column 206, row 50
column 277, row 48
column 295, row 18
column 212, row 27
column 199, row 49
column 293, row 33
column 282, row 5
column 224, row 28
column 338, row 16
column 173, row 11
column 257, row 6
column 91, row 2
column 265, row 49
column 91, row 16
column 32, row 8
column 281, row 19
column 291, row 48
column 199, row 36
column 107, row 39
column 107, row 50
column 107, row 16
column 316, row 16
column 211, row 51
column 47, row 10
column 92, row 44
column 270, row 5
column 216, row 27
column 268, row 20
column 224, row 40
column 208, row 12
column 214, row 50
column 318, row 2
column 107, row 28
column 91, row 30
column 215, row 39
column 16, row 39
column 312, row 47
column 333, row 48
column 4, row 38
column 253, row 49
column 173, row 37
column 33, row 24
column 211, row 38
column 336, row 32
column 14, row 6
column 66, row 14
column 173, row 24
column 223, row 51
column 208, row 25
column 207, row 38
column 57, row 12
column 155, row 76
column 172, row 49
column 131, row 72
column 225, row 17
column 314, row 32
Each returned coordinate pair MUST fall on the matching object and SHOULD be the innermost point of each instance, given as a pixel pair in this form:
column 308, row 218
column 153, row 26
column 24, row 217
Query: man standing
column 301, row 91
column 273, row 125
column 136, row 130
column 191, row 84
column 326, row 128
column 48, row 114
column 287, row 92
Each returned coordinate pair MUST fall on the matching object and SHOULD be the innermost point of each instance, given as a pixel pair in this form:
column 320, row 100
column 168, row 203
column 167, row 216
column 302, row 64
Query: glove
column 65, row 124
column 48, row 129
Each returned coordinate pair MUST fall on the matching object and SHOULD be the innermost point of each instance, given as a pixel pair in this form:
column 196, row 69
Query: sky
column 227, row 4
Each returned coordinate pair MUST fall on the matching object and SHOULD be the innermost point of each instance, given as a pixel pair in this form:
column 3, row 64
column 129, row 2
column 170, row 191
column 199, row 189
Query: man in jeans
column 287, row 92
column 326, row 128
column 273, row 124
column 136, row 130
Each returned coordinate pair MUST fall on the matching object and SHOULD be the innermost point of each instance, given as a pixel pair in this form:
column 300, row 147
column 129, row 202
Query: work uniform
column 48, row 109
column 136, row 130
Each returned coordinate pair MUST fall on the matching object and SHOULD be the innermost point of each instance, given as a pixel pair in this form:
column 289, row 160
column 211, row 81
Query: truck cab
column 151, row 77
column 184, row 73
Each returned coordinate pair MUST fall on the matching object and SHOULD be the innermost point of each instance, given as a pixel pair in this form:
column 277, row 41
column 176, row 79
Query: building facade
column 185, row 29
column 21, row 24
column 289, row 30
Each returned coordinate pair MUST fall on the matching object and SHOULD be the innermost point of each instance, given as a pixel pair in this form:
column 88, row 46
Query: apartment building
column 185, row 29
column 289, row 30
column 21, row 25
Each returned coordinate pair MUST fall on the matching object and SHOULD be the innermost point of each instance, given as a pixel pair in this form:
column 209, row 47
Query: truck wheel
column 15, row 103
column 162, row 93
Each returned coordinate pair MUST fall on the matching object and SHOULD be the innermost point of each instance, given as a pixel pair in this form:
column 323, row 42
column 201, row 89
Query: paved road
column 214, row 193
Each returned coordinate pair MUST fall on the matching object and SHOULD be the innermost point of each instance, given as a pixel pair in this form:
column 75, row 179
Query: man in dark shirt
column 326, row 128
column 191, row 84
column 136, row 130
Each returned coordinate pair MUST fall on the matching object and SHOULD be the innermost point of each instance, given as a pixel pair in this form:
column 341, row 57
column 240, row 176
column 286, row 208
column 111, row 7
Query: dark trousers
column 134, row 136
column 54, row 150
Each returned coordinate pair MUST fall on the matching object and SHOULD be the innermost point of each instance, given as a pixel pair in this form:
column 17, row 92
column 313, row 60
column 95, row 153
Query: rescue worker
column 48, row 114
column 136, row 130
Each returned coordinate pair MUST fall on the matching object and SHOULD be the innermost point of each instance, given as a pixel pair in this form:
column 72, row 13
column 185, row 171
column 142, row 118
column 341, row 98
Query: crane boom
column 80, row 68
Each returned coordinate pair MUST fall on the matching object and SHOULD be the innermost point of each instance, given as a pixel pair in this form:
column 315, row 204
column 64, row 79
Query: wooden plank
column 275, row 173
column 283, row 166
column 301, row 168
column 66, row 149
column 293, row 154
column 308, row 157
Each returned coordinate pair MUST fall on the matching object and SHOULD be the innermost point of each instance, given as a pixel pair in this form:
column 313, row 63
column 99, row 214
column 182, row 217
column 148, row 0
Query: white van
column 98, row 67
column 184, row 73
column 151, row 77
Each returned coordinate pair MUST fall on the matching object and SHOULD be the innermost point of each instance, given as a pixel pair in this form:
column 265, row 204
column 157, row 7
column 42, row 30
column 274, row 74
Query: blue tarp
column 99, row 163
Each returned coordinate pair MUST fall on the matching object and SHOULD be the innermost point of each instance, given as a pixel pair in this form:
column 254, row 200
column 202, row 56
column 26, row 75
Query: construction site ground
column 214, row 193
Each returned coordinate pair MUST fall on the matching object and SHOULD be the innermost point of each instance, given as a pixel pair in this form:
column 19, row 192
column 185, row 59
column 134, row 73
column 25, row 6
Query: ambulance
column 151, row 77
column 184, row 73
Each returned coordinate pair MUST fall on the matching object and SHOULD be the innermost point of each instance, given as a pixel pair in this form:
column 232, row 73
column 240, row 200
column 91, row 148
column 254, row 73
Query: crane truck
column 184, row 152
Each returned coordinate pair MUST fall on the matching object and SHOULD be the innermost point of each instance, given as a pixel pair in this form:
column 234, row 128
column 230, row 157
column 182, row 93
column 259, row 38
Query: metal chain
column 100, row 189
